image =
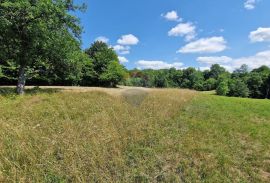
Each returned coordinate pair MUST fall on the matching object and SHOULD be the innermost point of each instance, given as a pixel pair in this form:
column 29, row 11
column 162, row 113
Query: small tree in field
column 35, row 30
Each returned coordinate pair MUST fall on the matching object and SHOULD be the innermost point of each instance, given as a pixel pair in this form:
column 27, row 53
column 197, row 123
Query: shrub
column 237, row 88
column 223, row 88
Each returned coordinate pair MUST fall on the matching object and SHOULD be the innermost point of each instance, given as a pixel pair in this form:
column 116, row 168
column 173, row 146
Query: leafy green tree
column 216, row 70
column 77, row 67
column 222, row 88
column 263, row 69
column 242, row 70
column 197, row 80
column 206, row 74
column 8, row 74
column 210, row 84
column 107, row 71
column 174, row 77
column 188, row 77
column 101, row 55
column 264, row 72
column 32, row 30
column 255, row 85
column 113, row 74
column 238, row 88
column 88, row 73
column 160, row 80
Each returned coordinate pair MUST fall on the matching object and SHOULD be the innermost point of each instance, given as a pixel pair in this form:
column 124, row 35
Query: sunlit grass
column 168, row 136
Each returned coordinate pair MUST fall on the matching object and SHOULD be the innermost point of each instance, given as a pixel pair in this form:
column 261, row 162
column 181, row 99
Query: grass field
column 133, row 135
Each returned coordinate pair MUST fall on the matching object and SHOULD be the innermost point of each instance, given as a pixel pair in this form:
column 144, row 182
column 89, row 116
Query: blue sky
column 181, row 33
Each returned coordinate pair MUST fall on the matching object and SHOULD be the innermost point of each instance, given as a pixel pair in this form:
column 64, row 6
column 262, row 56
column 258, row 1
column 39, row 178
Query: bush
column 223, row 88
column 255, row 85
column 237, row 88
column 210, row 84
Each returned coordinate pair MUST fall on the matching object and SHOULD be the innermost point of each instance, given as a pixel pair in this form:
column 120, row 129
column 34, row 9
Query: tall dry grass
column 90, row 136
column 133, row 135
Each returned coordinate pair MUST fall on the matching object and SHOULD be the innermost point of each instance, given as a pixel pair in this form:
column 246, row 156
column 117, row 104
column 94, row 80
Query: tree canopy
column 107, row 71
column 34, row 31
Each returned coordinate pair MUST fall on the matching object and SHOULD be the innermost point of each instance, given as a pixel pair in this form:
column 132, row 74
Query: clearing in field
column 133, row 135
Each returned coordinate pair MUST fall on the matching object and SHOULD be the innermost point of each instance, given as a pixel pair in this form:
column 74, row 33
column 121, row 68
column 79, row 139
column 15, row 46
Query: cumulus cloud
column 102, row 39
column 156, row 65
column 261, row 58
column 171, row 16
column 122, row 59
column 260, row 35
column 128, row 40
column 187, row 30
column 255, row 61
column 214, row 60
column 205, row 45
column 250, row 4
column 123, row 50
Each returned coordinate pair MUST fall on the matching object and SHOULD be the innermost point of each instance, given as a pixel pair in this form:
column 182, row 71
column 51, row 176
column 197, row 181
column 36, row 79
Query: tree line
column 241, row 83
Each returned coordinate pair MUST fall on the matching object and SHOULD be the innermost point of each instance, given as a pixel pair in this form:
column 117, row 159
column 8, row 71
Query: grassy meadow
column 133, row 135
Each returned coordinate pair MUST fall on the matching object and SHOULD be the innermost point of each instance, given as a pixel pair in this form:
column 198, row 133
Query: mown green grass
column 168, row 136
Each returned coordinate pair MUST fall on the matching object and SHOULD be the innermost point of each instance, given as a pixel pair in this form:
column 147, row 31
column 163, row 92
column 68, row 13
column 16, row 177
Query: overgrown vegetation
column 153, row 135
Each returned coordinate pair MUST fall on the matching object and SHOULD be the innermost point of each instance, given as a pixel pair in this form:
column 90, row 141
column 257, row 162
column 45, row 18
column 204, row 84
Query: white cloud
column 204, row 68
column 184, row 29
column 123, row 50
column 171, row 16
column 260, row 35
column 214, row 60
column 156, row 65
column 205, row 45
column 255, row 61
column 261, row 58
column 250, row 4
column 102, row 39
column 128, row 40
column 122, row 59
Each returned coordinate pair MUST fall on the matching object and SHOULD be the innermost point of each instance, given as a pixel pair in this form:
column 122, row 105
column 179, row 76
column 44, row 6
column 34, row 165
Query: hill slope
column 133, row 135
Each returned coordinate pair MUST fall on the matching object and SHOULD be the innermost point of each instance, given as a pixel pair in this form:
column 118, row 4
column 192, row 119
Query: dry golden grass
column 132, row 135
column 80, row 136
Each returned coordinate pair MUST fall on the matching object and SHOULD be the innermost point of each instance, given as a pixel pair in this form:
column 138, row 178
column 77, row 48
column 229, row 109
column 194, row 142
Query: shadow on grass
column 11, row 91
column 135, row 96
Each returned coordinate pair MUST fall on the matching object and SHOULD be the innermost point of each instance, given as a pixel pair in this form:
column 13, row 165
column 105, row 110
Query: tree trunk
column 21, row 80
column 267, row 93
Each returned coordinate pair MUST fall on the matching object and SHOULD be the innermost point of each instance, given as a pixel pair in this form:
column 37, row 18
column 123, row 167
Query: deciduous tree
column 34, row 30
